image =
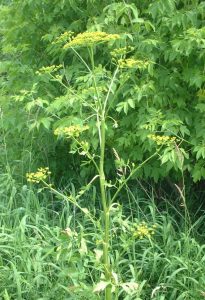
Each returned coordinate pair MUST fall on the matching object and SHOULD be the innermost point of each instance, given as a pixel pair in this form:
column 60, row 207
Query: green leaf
column 46, row 122
column 131, row 103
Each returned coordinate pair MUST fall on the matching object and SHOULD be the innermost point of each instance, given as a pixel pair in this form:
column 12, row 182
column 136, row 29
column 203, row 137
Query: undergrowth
column 51, row 250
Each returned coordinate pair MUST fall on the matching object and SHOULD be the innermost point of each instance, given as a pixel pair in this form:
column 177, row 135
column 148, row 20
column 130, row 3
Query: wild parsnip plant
column 95, row 115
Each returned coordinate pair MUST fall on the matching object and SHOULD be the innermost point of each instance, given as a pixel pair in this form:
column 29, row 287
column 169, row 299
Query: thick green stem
column 108, row 295
column 98, row 102
column 106, row 217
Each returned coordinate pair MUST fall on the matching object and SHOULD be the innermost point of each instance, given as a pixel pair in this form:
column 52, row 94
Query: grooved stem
column 106, row 217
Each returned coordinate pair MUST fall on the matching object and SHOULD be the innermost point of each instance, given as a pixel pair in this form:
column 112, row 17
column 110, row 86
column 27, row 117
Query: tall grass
column 40, row 259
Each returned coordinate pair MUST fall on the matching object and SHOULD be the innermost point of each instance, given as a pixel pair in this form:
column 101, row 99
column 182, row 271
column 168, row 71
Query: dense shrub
column 164, row 96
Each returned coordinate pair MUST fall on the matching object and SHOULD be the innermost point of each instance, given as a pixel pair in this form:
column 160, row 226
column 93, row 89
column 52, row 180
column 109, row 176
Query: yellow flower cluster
column 121, row 51
column 85, row 145
column 144, row 231
column 132, row 63
column 90, row 38
column 49, row 69
column 58, row 77
column 41, row 174
column 64, row 37
column 71, row 131
column 162, row 139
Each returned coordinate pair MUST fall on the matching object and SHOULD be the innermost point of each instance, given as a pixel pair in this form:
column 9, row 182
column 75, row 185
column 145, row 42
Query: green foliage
column 164, row 96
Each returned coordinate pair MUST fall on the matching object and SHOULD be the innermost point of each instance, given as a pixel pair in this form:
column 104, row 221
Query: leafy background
column 167, row 98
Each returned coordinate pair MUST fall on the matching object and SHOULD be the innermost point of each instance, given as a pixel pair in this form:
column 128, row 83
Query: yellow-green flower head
column 90, row 38
column 144, row 231
column 121, row 51
column 162, row 139
column 132, row 63
column 71, row 131
column 39, row 175
column 64, row 37
column 49, row 69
